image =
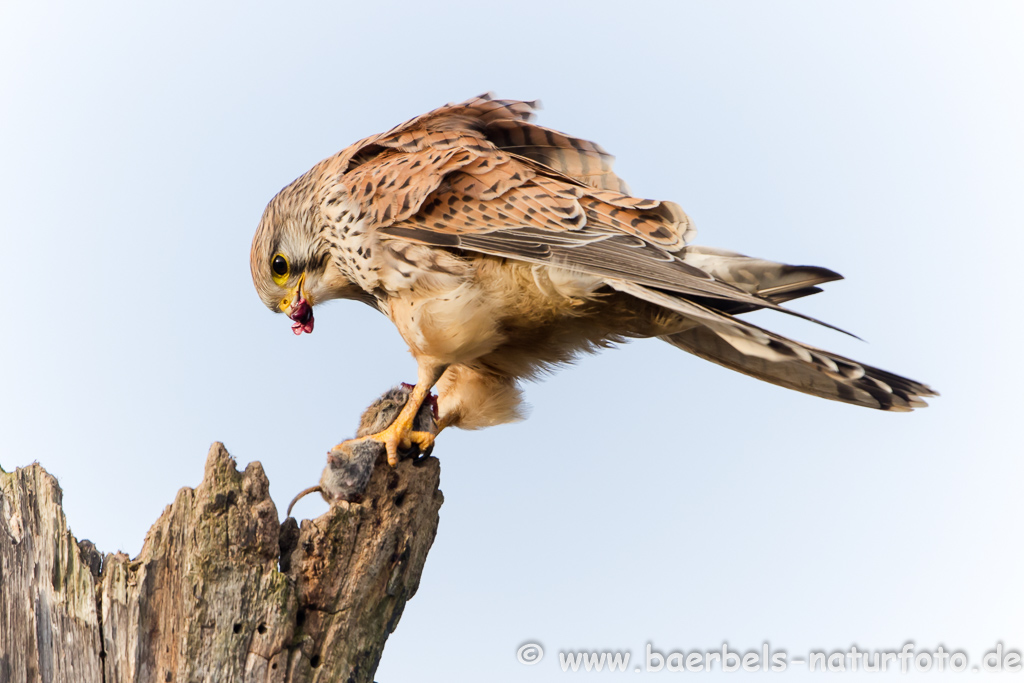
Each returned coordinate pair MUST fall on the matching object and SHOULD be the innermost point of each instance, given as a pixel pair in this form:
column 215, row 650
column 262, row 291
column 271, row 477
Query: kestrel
column 501, row 249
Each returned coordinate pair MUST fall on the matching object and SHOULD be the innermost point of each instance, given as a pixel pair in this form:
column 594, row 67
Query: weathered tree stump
column 49, row 623
column 220, row 591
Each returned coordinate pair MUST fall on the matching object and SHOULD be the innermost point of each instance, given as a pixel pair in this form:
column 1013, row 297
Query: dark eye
column 279, row 265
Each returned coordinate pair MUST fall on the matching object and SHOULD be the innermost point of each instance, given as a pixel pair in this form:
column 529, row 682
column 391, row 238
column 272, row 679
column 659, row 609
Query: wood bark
column 220, row 591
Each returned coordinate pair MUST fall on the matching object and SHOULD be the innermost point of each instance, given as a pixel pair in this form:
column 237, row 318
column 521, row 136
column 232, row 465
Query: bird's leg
column 399, row 434
column 443, row 422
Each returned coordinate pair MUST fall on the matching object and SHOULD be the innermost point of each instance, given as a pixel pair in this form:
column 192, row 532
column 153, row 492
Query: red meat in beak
column 302, row 314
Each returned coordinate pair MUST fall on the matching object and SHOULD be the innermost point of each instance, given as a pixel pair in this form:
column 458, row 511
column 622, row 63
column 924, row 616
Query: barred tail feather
column 849, row 382
column 743, row 347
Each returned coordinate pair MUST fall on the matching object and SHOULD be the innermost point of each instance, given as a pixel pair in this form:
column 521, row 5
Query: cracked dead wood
column 220, row 591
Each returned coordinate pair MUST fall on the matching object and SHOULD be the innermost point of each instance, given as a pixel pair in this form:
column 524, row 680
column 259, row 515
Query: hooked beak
column 298, row 307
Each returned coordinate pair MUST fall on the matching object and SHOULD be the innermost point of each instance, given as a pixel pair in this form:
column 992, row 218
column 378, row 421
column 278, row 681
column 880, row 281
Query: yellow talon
column 395, row 438
column 400, row 435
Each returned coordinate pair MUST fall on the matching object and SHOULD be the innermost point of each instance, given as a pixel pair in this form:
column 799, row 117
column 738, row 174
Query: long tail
column 809, row 370
column 715, row 335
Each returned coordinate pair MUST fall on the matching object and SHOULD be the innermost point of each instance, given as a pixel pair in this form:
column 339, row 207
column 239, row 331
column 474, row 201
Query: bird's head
column 289, row 260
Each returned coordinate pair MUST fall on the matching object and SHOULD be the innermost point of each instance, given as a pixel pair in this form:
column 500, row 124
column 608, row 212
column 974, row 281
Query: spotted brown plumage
column 500, row 248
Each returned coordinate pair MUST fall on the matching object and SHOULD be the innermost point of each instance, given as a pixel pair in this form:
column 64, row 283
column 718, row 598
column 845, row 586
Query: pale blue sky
column 651, row 496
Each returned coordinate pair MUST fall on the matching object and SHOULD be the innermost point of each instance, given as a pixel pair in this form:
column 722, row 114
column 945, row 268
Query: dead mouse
column 350, row 463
